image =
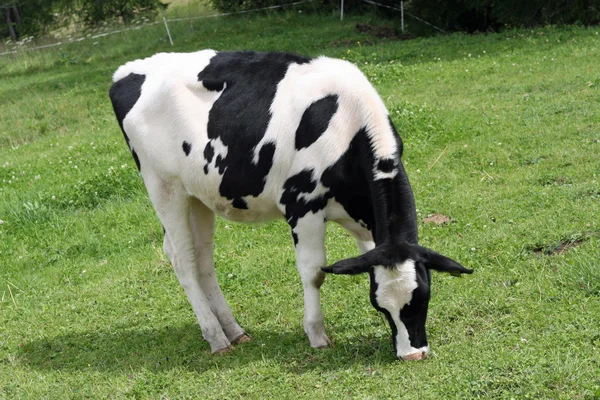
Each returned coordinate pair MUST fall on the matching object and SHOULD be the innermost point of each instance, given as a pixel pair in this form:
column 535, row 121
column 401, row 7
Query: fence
column 166, row 20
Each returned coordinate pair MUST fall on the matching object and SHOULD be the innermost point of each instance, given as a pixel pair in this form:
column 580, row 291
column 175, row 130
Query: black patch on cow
column 212, row 85
column 414, row 314
column 206, row 169
column 295, row 237
column 296, row 207
column 348, row 179
column 346, row 183
column 219, row 164
column 386, row 165
column 124, row 94
column 302, row 182
column 209, row 152
column 187, row 147
column 240, row 116
column 315, row 121
column 249, row 181
column 386, row 207
column 239, row 203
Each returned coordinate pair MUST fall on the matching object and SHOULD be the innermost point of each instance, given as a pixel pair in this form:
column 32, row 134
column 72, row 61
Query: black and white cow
column 257, row 136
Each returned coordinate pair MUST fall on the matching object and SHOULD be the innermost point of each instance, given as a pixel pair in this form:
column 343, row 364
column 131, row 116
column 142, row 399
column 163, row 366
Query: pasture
column 501, row 135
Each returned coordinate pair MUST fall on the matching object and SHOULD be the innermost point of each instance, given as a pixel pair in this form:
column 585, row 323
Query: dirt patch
column 438, row 219
column 594, row 194
column 382, row 32
column 551, row 180
column 348, row 43
column 558, row 248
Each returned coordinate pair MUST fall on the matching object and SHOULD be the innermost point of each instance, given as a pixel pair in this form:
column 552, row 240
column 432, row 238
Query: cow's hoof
column 322, row 343
column 243, row 338
column 418, row 356
column 224, row 350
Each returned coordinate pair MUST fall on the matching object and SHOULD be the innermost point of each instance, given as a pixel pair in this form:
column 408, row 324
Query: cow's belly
column 259, row 209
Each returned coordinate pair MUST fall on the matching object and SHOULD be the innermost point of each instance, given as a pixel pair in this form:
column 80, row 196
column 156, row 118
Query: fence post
column 402, row 15
column 342, row 11
column 167, row 28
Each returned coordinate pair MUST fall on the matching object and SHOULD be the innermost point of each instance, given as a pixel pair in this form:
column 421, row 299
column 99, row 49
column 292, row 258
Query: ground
column 501, row 139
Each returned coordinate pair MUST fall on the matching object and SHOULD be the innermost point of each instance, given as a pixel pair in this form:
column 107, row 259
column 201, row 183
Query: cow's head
column 400, row 277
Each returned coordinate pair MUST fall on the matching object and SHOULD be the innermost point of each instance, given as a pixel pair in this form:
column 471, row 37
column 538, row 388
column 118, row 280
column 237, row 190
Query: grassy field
column 502, row 135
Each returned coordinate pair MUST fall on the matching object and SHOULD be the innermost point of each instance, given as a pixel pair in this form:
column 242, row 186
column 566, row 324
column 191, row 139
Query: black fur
column 315, row 121
column 123, row 95
column 240, row 116
column 187, row 147
column 386, row 165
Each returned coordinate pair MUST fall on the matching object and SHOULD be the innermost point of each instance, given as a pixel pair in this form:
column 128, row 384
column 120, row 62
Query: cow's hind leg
column 309, row 236
column 202, row 222
column 173, row 207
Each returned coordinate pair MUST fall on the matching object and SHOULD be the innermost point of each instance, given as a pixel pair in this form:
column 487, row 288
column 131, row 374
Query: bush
column 485, row 15
column 35, row 16
column 226, row 6
column 97, row 11
column 40, row 16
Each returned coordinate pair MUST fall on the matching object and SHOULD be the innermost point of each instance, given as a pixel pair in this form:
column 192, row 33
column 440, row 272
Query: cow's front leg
column 309, row 235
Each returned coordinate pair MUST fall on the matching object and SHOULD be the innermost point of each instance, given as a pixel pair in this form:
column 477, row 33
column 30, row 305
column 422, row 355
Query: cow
column 252, row 137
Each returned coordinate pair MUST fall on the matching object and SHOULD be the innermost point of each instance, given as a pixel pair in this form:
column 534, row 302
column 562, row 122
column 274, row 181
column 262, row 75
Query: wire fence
column 166, row 20
column 403, row 11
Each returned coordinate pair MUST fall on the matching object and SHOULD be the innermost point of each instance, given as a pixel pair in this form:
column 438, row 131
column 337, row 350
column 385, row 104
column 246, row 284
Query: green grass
column 501, row 134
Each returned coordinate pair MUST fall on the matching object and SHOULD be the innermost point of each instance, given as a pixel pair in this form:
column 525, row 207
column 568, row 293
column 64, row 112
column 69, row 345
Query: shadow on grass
column 123, row 349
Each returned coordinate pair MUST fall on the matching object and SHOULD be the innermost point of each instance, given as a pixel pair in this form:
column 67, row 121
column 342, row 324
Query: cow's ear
column 350, row 266
column 360, row 264
column 438, row 262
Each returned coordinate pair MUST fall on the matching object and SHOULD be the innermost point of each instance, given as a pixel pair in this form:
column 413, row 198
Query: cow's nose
column 419, row 355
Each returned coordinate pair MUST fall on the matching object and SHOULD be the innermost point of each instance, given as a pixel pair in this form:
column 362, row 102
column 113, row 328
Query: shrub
column 315, row 6
column 485, row 15
column 39, row 16
column 97, row 11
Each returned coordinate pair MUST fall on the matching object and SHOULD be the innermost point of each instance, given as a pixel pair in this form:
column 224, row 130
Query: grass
column 501, row 135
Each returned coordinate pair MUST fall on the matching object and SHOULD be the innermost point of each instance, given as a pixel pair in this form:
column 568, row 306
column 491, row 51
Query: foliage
column 36, row 16
column 500, row 133
column 39, row 16
column 97, row 11
column 315, row 6
column 484, row 15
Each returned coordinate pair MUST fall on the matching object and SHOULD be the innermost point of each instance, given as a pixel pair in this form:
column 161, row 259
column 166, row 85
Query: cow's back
column 234, row 128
